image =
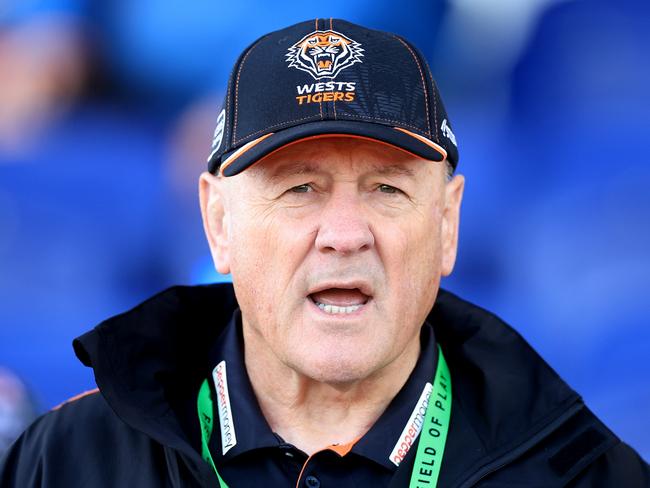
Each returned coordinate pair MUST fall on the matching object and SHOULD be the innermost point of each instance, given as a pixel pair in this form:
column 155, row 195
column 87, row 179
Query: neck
column 313, row 415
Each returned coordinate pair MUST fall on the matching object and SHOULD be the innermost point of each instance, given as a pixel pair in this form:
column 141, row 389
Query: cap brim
column 237, row 161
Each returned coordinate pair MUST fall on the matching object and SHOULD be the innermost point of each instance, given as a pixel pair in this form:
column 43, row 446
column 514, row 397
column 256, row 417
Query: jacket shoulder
column 516, row 404
column 81, row 443
column 581, row 452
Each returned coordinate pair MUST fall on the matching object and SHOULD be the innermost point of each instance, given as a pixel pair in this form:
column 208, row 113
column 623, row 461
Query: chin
column 336, row 368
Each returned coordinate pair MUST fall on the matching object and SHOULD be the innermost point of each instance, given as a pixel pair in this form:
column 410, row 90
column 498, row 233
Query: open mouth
column 339, row 301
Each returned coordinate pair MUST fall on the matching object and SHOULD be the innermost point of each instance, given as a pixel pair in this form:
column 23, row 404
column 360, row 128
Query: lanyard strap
column 204, row 405
column 431, row 447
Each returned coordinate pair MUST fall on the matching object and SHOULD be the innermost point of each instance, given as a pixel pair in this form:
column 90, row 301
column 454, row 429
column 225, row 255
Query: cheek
column 266, row 257
column 249, row 248
column 423, row 265
column 413, row 254
column 420, row 241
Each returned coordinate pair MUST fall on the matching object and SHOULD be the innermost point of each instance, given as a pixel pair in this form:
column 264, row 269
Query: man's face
column 336, row 247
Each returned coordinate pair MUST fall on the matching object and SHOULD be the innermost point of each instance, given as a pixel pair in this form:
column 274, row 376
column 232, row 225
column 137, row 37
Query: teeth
column 335, row 309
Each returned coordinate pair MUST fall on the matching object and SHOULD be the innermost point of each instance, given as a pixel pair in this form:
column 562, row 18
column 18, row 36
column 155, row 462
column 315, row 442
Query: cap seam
column 424, row 86
column 241, row 66
column 228, row 101
column 333, row 101
column 434, row 87
column 320, row 104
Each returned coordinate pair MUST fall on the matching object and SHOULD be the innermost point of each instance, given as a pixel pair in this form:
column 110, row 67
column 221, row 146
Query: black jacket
column 514, row 421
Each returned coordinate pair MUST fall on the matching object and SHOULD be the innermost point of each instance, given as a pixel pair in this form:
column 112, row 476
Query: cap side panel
column 228, row 114
column 443, row 134
column 226, row 105
column 241, row 66
column 424, row 85
column 435, row 104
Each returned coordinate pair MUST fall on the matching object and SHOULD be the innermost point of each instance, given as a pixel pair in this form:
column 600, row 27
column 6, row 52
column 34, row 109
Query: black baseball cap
column 327, row 77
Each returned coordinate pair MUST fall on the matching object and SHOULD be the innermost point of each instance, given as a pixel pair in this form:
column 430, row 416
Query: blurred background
column 106, row 116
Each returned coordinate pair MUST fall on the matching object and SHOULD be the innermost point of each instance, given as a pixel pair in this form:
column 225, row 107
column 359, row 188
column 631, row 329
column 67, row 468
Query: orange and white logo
column 324, row 54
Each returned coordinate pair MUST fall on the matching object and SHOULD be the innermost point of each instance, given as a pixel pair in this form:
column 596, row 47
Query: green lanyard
column 433, row 436
column 204, row 405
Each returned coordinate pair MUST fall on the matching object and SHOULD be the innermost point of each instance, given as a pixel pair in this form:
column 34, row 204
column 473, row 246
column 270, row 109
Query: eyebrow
column 297, row 168
column 393, row 170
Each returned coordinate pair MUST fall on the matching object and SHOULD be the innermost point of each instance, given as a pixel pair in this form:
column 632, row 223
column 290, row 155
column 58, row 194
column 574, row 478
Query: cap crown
column 329, row 69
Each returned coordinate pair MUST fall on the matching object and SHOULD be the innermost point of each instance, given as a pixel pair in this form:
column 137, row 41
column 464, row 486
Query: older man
column 331, row 199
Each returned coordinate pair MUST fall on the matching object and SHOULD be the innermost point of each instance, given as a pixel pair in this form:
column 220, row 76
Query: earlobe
column 450, row 223
column 215, row 220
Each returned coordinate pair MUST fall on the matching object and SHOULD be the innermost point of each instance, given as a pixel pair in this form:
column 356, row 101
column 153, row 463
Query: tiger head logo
column 323, row 54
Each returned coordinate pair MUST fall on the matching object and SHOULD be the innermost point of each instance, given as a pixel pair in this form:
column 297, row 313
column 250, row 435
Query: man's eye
column 304, row 188
column 388, row 189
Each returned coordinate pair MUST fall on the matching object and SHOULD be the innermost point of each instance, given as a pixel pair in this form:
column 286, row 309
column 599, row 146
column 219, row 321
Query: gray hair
column 449, row 171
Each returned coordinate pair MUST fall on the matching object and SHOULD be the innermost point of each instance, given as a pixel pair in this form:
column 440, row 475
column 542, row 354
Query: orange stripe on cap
column 234, row 156
column 428, row 142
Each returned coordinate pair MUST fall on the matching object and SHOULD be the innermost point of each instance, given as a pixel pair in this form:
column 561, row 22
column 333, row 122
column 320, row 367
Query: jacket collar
column 503, row 391
column 147, row 358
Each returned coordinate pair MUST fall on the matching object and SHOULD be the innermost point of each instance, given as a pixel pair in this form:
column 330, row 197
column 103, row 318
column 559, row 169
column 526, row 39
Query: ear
column 450, row 223
column 215, row 220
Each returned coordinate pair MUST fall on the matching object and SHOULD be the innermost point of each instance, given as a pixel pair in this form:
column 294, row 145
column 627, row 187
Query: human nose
column 343, row 228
